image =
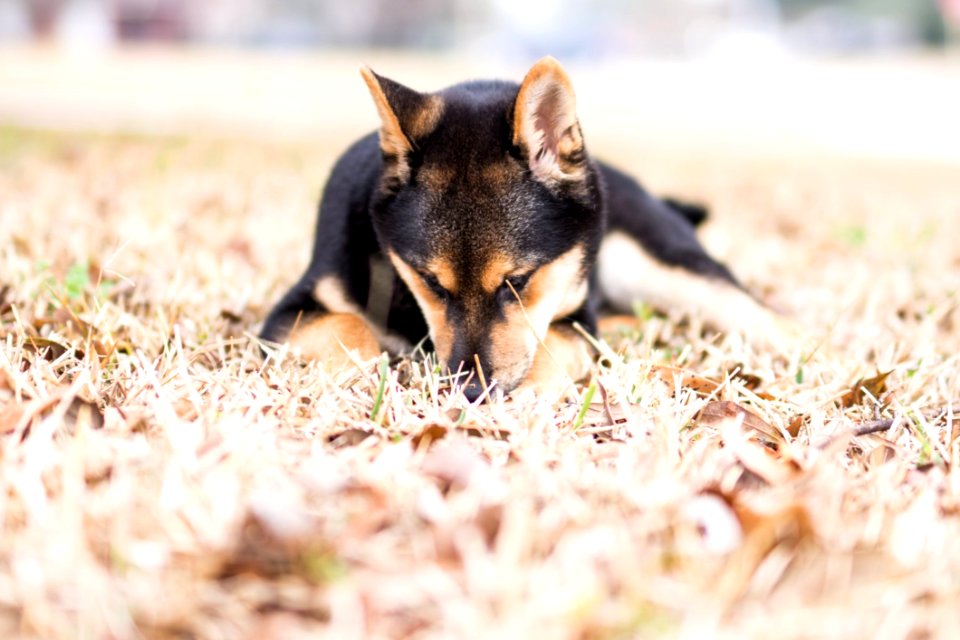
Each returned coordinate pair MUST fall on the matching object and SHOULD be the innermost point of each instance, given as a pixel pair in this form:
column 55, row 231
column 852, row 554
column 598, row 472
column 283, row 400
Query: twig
column 875, row 426
column 606, row 403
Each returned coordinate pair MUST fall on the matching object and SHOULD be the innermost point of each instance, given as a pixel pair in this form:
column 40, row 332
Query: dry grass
column 160, row 479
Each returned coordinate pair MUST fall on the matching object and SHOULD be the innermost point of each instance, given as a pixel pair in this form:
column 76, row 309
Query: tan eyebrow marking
column 496, row 271
column 443, row 271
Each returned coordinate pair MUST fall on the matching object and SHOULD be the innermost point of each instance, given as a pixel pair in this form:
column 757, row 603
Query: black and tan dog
column 477, row 217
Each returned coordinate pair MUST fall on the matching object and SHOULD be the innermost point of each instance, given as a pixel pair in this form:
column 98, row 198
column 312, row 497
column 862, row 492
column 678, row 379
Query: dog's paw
column 337, row 341
column 563, row 359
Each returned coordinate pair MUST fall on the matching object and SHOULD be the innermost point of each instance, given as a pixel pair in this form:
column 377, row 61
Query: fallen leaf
column 716, row 521
column 10, row 417
column 231, row 316
column 714, row 413
column 49, row 349
column 688, row 379
column 82, row 413
column 348, row 437
column 484, row 432
column 750, row 381
column 64, row 316
column 863, row 388
column 882, row 453
column 428, row 435
column 279, row 538
column 454, row 464
column 784, row 528
column 794, row 427
column 5, row 303
column 765, row 463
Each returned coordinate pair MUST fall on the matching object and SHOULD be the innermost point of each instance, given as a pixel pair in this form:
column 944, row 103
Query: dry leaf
column 10, row 417
column 716, row 521
column 348, row 437
column 231, row 316
column 455, row 464
column 765, row 463
column 5, row 297
column 714, row 413
column 478, row 431
column 750, row 381
column 79, row 412
column 82, row 413
column 882, row 453
column 863, row 388
column 764, row 532
column 692, row 381
column 277, row 538
column 428, row 435
column 793, row 428
column 49, row 349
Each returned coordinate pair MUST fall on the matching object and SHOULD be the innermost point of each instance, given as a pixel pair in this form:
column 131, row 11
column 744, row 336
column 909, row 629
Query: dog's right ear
column 405, row 115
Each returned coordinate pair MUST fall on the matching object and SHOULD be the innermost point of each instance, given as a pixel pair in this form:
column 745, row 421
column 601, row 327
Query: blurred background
column 868, row 77
column 570, row 28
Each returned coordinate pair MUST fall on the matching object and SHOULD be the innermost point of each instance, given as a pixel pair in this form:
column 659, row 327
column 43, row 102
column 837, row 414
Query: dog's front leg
column 336, row 340
column 322, row 323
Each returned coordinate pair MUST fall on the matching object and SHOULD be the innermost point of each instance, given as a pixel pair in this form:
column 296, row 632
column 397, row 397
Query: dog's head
column 489, row 209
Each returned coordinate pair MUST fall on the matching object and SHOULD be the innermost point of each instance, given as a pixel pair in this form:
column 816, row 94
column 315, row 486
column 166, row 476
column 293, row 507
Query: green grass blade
column 381, row 388
column 587, row 399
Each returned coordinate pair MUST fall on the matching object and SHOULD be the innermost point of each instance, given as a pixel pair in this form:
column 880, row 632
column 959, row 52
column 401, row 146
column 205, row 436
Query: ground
column 160, row 478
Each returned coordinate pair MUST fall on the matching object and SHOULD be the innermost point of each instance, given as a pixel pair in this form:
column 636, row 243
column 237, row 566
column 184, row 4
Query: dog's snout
column 463, row 371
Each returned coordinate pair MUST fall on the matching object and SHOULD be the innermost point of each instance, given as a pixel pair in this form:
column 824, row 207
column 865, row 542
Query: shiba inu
column 476, row 218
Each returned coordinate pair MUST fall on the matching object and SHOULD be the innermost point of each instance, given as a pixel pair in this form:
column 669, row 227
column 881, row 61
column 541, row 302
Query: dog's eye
column 511, row 285
column 435, row 286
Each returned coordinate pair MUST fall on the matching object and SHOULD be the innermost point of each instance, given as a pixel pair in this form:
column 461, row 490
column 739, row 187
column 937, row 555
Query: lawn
column 161, row 478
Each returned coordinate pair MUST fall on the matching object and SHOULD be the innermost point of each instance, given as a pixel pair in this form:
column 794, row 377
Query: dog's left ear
column 545, row 124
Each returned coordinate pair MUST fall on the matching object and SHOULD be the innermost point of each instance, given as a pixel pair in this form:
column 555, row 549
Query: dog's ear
column 405, row 114
column 545, row 124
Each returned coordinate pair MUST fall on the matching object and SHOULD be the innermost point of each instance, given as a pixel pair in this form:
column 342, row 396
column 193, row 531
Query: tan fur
column 329, row 339
column 427, row 118
column 498, row 267
column 554, row 291
column 436, row 178
column 392, row 138
column 329, row 292
column 563, row 359
column 442, row 270
column 499, row 175
column 441, row 333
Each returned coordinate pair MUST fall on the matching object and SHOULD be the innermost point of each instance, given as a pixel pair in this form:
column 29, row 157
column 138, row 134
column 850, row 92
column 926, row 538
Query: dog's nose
column 472, row 390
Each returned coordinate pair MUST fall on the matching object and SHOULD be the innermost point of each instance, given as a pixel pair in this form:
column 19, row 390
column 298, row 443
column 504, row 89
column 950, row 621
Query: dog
column 475, row 218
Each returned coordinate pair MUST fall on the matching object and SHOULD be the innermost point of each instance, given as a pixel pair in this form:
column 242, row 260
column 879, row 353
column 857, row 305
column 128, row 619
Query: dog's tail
column 695, row 214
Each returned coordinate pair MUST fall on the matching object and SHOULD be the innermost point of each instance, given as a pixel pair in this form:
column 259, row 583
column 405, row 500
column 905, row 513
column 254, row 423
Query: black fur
column 362, row 214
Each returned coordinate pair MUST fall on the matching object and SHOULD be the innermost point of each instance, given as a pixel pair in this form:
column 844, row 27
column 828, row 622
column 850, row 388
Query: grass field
column 161, row 479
